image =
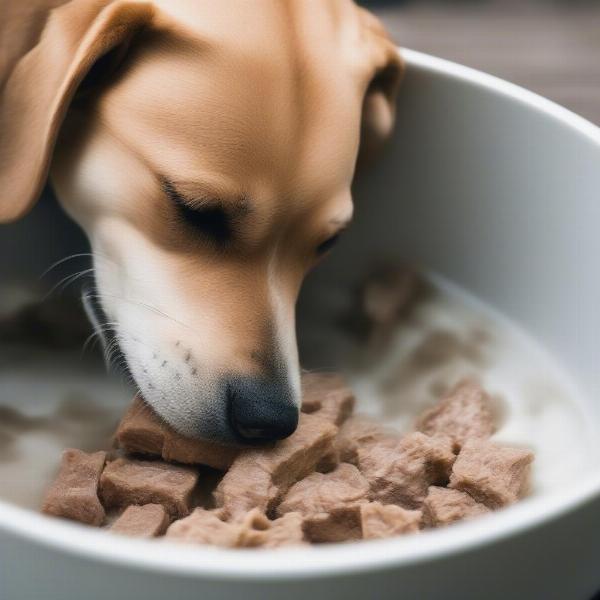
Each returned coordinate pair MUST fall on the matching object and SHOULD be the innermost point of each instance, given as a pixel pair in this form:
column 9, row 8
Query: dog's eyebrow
column 203, row 196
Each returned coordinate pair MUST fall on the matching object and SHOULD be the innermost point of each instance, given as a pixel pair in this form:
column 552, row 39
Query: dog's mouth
column 111, row 349
column 240, row 410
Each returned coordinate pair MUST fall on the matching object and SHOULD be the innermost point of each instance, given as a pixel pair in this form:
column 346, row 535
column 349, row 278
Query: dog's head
column 207, row 149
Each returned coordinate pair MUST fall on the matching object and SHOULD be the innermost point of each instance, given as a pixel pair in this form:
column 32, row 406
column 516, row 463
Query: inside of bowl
column 492, row 198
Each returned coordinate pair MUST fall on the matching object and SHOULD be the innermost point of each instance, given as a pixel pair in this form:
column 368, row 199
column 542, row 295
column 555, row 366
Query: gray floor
column 552, row 48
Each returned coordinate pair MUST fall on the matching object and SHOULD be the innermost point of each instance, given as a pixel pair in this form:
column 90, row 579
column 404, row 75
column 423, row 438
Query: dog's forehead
column 267, row 95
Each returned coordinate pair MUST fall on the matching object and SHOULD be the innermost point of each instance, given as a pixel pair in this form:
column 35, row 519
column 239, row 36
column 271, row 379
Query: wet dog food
column 127, row 481
column 385, row 520
column 401, row 473
column 443, row 506
column 462, row 415
column 386, row 295
column 361, row 432
column 329, row 503
column 327, row 395
column 338, row 477
column 142, row 432
column 252, row 531
column 74, row 493
column 492, row 474
column 259, row 477
column 146, row 521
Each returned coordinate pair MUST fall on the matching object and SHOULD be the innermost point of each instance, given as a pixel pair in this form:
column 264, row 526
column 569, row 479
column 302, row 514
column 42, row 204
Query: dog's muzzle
column 249, row 410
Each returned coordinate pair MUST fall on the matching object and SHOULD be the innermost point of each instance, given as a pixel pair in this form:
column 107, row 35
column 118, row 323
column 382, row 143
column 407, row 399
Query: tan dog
column 207, row 149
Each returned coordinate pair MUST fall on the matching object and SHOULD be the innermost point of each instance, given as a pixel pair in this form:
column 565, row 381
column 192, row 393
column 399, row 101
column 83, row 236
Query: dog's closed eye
column 212, row 221
column 208, row 217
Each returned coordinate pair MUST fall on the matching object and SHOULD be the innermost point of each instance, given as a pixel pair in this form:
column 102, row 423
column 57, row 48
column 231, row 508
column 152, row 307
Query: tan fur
column 261, row 104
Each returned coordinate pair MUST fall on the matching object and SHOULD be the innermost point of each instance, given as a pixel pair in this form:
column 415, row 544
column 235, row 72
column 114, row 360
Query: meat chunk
column 126, row 481
column 285, row 531
column 400, row 474
column 141, row 431
column 464, row 413
column 492, row 474
column 358, row 432
column 381, row 521
column 257, row 531
column 252, row 530
column 385, row 296
column 328, row 503
column 74, row 493
column 319, row 493
column 387, row 292
column 259, row 477
column 340, row 524
column 327, row 395
column 147, row 521
column 205, row 527
column 444, row 506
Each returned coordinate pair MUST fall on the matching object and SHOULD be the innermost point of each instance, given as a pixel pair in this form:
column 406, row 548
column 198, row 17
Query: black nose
column 262, row 410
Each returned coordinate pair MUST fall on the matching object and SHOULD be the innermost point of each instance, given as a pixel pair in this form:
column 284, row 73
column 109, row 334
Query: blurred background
column 549, row 46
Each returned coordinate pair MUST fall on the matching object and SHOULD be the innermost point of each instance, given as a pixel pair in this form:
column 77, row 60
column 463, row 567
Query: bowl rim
column 168, row 558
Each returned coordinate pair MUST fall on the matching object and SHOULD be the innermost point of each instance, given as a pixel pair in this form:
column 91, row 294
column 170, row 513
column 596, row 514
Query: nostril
column 262, row 410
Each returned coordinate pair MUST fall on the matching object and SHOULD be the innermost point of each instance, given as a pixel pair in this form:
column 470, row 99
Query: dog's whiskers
column 100, row 295
column 64, row 260
column 93, row 255
column 94, row 336
column 107, row 331
column 67, row 281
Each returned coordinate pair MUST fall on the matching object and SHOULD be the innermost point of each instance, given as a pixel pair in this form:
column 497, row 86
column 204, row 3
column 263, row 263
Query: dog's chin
column 204, row 419
column 196, row 409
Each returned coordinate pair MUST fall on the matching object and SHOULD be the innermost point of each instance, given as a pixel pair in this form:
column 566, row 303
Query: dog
column 207, row 149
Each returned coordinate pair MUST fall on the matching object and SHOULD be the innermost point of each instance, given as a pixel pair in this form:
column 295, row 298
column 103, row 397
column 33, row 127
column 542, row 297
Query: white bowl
column 498, row 190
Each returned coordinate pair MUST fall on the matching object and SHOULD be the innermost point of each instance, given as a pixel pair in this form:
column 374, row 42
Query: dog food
column 252, row 531
column 492, row 474
column 381, row 521
column 329, row 503
column 74, row 493
column 463, row 414
column 360, row 432
column 340, row 524
column 142, row 432
column 126, row 481
column 444, row 506
column 259, row 477
column 259, row 532
column 385, row 296
column 401, row 473
column 146, row 521
column 338, row 477
column 327, row 395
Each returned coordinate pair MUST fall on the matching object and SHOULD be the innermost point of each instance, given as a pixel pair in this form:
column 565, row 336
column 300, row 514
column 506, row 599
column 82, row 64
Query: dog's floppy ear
column 379, row 104
column 36, row 95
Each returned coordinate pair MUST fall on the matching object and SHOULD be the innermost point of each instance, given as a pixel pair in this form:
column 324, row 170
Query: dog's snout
column 262, row 410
